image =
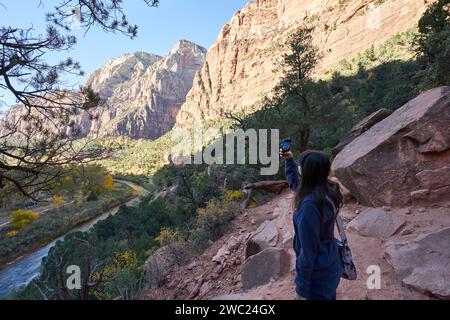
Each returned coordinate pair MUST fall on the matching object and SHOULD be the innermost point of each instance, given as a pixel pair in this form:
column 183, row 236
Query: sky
column 160, row 28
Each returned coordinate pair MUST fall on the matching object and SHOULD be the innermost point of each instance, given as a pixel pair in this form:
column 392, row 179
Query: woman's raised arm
column 292, row 174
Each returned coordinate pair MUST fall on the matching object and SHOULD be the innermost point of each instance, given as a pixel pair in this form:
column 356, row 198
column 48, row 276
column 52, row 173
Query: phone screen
column 285, row 145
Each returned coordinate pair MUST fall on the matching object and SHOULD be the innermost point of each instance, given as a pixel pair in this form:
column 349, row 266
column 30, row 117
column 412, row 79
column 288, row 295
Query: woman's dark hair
column 315, row 169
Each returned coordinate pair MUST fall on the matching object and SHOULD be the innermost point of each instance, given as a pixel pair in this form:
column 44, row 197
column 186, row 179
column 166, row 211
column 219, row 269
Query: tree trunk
column 304, row 139
column 272, row 186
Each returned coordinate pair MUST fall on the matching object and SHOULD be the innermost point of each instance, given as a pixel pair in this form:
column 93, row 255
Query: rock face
column 266, row 232
column 143, row 93
column 362, row 127
column 377, row 223
column 265, row 236
column 239, row 66
column 158, row 266
column 405, row 157
column 128, row 67
column 424, row 263
column 259, row 269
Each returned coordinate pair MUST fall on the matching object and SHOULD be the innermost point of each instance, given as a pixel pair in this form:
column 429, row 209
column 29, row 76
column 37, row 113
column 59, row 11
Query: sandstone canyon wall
column 240, row 65
column 146, row 95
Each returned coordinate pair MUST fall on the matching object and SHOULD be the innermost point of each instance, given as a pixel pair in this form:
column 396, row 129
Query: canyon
column 392, row 226
column 146, row 95
column 143, row 92
column 242, row 65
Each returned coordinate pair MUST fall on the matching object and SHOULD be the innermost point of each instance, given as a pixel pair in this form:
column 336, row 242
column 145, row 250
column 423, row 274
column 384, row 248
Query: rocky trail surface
column 224, row 272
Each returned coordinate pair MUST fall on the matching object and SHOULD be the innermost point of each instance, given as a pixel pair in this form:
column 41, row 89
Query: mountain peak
column 144, row 91
column 183, row 45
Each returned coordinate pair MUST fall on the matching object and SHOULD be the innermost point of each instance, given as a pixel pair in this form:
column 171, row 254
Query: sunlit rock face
column 142, row 94
column 241, row 66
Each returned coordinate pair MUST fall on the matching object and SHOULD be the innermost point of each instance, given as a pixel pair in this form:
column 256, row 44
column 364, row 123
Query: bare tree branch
column 41, row 136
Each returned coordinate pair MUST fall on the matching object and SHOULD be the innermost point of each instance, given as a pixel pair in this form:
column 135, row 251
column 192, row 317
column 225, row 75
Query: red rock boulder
column 404, row 158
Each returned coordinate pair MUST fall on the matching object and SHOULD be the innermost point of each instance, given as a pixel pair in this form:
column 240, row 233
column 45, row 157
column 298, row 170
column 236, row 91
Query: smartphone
column 285, row 145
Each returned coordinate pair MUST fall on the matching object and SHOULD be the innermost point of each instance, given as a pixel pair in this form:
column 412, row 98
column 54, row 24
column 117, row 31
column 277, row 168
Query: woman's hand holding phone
column 286, row 155
column 285, row 149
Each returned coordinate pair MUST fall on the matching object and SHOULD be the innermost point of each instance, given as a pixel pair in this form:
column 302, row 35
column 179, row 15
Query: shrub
column 213, row 220
column 109, row 183
column 176, row 243
column 233, row 196
column 237, row 175
column 22, row 218
column 433, row 43
column 58, row 200
column 12, row 233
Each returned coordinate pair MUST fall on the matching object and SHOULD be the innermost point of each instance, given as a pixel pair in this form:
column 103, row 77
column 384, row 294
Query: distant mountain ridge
column 143, row 93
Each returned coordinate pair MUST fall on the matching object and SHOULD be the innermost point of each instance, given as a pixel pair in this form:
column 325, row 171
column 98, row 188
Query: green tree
column 296, row 87
column 299, row 104
column 433, row 42
column 79, row 249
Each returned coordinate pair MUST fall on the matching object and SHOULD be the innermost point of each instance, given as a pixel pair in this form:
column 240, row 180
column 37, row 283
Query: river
column 24, row 269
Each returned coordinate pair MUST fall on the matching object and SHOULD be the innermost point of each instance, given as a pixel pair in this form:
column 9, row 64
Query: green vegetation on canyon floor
column 64, row 207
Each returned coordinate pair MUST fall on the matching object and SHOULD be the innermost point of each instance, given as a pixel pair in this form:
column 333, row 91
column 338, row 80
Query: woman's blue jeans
column 324, row 288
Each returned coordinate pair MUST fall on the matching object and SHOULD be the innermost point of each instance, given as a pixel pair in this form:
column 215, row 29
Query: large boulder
column 271, row 263
column 158, row 266
column 435, row 184
column 377, row 223
column 346, row 195
column 265, row 236
column 361, row 127
column 400, row 154
column 267, row 232
column 423, row 263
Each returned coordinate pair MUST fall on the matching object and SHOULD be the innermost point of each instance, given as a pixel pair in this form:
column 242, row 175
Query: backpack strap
column 339, row 224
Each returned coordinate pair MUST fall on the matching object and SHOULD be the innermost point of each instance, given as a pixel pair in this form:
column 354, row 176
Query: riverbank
column 55, row 224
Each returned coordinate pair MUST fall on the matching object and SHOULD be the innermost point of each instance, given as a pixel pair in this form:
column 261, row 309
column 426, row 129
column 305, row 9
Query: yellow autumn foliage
column 233, row 196
column 12, row 233
column 22, row 218
column 168, row 237
column 58, row 200
column 108, row 183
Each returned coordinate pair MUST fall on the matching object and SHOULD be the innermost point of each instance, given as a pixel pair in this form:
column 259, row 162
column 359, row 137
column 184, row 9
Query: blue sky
column 159, row 28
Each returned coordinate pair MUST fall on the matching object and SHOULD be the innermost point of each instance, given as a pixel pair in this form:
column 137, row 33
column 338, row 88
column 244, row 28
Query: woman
column 317, row 261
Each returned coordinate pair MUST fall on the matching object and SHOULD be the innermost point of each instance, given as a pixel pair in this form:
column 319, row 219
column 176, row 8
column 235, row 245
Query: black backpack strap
column 339, row 224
